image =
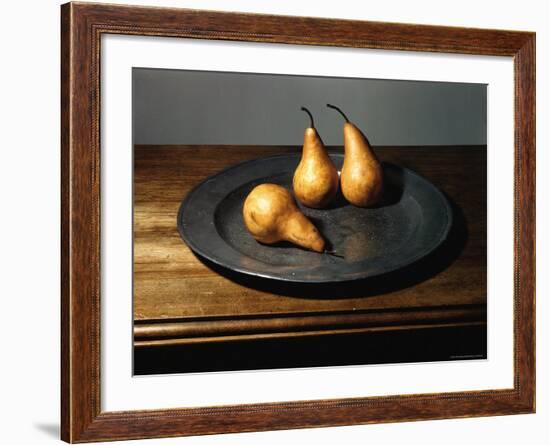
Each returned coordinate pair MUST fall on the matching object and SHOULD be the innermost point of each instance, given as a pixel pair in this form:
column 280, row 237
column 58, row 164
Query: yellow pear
column 271, row 215
column 315, row 180
column 362, row 176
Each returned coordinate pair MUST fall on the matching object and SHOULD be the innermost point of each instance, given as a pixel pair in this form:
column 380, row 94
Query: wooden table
column 181, row 300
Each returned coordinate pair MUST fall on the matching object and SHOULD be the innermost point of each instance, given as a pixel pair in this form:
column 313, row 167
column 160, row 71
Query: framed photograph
column 274, row 222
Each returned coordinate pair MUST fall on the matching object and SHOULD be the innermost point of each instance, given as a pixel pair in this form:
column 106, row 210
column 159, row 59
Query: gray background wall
column 200, row 107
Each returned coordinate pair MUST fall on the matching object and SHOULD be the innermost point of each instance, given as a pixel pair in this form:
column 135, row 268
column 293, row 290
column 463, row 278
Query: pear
column 271, row 215
column 362, row 176
column 315, row 181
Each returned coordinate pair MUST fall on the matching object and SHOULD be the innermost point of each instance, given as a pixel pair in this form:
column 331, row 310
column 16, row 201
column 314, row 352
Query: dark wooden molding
column 241, row 328
column 524, row 224
column 82, row 27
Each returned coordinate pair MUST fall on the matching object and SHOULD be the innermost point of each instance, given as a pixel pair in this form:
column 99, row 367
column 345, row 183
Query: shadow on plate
column 393, row 190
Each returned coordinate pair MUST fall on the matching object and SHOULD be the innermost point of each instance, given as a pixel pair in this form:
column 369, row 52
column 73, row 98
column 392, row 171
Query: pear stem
column 310, row 116
column 338, row 109
column 333, row 253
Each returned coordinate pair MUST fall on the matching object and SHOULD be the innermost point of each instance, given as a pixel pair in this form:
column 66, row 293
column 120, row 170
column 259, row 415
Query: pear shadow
column 394, row 186
column 391, row 195
column 337, row 202
column 393, row 191
column 423, row 269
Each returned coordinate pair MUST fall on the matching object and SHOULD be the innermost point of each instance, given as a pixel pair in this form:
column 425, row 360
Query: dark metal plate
column 413, row 218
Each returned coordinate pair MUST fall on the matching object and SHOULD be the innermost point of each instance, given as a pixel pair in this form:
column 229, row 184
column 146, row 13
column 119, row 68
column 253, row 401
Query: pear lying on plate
column 271, row 215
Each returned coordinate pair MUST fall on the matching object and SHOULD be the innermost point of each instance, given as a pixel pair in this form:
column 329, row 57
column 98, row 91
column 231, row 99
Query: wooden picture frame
column 82, row 28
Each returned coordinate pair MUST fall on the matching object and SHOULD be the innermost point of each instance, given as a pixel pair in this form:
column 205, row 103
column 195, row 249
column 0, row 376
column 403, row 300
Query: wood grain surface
column 82, row 416
column 177, row 297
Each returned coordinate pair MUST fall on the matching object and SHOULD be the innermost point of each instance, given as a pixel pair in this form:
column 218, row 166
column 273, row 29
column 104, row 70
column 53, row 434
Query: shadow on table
column 429, row 266
column 49, row 429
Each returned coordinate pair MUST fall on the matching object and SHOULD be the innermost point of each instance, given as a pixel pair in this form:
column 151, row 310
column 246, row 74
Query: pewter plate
column 413, row 219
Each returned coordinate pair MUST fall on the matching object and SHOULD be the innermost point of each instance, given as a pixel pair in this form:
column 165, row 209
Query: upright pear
column 315, row 180
column 362, row 176
column 271, row 215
